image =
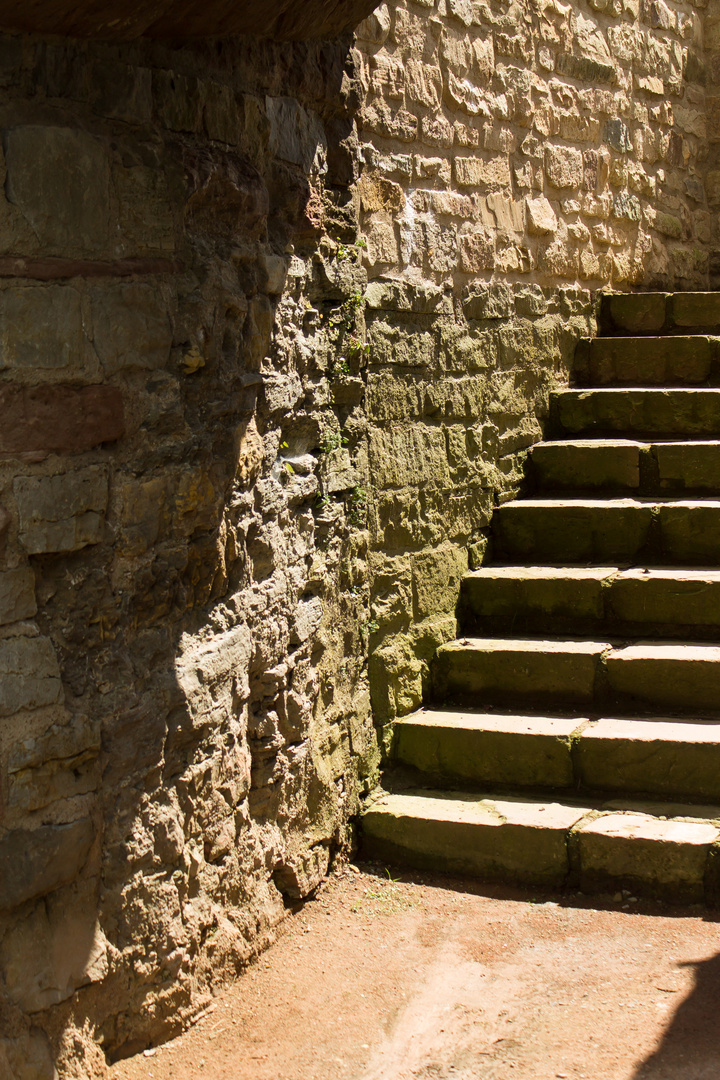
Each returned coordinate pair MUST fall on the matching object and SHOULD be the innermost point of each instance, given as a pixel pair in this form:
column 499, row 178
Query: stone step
column 597, row 600
column 647, row 361
column 673, row 675
column 625, row 465
column 636, row 412
column 492, row 670
column 678, row 676
column 671, row 852
column 597, row 530
column 652, row 313
column 653, row 757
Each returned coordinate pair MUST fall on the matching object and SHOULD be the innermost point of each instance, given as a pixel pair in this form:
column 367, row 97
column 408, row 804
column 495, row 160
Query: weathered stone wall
column 516, row 157
column 185, row 724
column 277, row 323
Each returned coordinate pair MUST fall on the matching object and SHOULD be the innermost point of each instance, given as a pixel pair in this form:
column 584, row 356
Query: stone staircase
column 575, row 736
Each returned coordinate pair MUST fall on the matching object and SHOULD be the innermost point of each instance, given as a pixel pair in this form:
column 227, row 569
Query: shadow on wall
column 690, row 1048
column 185, row 714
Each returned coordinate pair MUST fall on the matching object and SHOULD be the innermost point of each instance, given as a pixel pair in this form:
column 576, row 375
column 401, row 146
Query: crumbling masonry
column 279, row 319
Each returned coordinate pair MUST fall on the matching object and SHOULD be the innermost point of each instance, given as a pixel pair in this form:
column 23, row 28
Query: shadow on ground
column 690, row 1050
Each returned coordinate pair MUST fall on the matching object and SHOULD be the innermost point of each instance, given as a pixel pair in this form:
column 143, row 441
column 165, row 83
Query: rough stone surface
column 296, row 310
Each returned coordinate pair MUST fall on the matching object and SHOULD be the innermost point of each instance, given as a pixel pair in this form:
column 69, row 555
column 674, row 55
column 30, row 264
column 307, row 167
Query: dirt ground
column 424, row 978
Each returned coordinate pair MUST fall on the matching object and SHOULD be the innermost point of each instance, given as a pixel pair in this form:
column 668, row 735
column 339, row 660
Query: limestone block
column 63, row 419
column 491, row 173
column 27, row 1057
column 59, row 179
column 131, row 327
column 221, row 115
column 564, row 166
column 34, row 862
column 617, row 135
column 423, row 83
column 57, row 948
column 63, row 512
column 121, row 91
column 145, row 210
column 296, row 135
column 177, row 100
column 337, row 472
column 436, row 579
column 407, row 456
column 29, row 674
column 41, row 328
column 477, row 251
column 17, row 594
column 541, row 218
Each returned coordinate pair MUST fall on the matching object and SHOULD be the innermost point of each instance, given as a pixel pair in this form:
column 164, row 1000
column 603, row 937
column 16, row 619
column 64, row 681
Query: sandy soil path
column 428, row 979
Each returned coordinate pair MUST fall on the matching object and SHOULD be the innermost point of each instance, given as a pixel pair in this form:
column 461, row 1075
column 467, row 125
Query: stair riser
column 635, row 414
column 630, row 469
column 661, row 768
column 674, row 534
column 614, row 606
column 501, row 853
column 683, row 869
column 645, row 361
column 654, row 313
column 561, row 680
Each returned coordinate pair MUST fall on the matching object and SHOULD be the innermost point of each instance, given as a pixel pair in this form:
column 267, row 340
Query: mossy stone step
column 671, row 852
column 647, row 361
column 659, row 758
column 516, row 840
column 600, row 599
column 673, row 675
column 492, row 670
column 587, row 530
column 650, row 468
column 636, row 412
column 489, row 748
column 656, row 312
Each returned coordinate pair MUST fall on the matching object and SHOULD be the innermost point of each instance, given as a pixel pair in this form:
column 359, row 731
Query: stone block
column 666, row 598
column 645, row 412
column 692, row 466
column 477, row 251
column 63, row 512
column 564, row 166
column 121, row 91
column 516, row 841
column 585, row 463
column 637, row 313
column 572, row 530
column 131, row 327
column 17, row 595
column 436, row 581
column 296, row 136
column 407, row 457
column 477, row 172
column 690, row 531
column 651, row 856
column 507, row 669
column 59, row 179
column 696, row 309
column 686, row 677
column 29, row 674
column 34, row 862
column 41, row 328
column 54, row 950
column 221, row 115
column 659, row 757
column 671, row 360
column 178, row 101
column 59, row 419
column 543, row 595
column 528, row 751
column 541, row 218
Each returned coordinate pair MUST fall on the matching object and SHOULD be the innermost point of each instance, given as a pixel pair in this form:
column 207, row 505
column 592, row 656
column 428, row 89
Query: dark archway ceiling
column 123, row 20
